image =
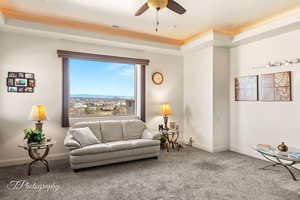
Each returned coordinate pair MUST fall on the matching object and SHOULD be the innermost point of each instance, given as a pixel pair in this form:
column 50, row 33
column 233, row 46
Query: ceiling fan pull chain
column 157, row 20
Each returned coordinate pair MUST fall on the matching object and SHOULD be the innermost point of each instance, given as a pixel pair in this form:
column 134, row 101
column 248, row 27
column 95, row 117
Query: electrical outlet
column 191, row 141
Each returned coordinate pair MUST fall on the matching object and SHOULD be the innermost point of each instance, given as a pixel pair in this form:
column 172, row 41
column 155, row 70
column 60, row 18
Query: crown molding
column 86, row 39
column 210, row 38
column 73, row 24
column 95, row 34
column 201, row 34
column 261, row 22
column 2, row 18
column 289, row 23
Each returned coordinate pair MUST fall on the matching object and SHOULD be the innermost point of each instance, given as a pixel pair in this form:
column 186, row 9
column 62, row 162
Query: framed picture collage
column 20, row 82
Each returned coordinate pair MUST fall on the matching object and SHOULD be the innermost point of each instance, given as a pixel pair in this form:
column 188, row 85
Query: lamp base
column 166, row 123
column 39, row 125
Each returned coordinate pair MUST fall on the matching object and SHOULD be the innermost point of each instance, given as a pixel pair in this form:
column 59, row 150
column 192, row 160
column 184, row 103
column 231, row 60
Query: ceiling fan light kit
column 160, row 4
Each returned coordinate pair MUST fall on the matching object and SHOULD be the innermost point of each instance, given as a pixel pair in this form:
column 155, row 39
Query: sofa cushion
column 144, row 143
column 93, row 125
column 131, row 144
column 90, row 158
column 115, row 146
column 133, row 129
column 84, row 136
column 120, row 145
column 91, row 149
column 111, row 131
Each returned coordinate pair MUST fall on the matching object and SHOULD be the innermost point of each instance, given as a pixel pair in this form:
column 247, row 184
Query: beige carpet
column 190, row 174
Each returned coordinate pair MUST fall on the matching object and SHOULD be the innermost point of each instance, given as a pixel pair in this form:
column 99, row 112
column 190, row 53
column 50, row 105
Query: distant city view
column 101, row 89
column 100, row 105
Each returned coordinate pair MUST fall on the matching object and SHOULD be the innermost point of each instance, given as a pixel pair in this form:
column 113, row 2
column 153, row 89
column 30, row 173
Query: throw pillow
column 84, row 136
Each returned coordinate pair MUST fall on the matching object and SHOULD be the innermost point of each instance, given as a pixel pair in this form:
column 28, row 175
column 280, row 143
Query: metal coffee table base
column 278, row 162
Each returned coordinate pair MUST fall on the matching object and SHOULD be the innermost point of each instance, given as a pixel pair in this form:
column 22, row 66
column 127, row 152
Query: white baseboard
column 220, row 149
column 24, row 160
column 198, row 146
column 205, row 148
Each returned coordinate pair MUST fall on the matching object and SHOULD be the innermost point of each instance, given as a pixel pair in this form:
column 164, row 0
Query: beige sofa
column 120, row 141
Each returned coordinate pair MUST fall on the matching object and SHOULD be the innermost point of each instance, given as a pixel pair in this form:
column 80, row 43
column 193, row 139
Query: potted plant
column 34, row 135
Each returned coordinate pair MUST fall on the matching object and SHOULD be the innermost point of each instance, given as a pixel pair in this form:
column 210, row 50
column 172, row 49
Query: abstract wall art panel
column 246, row 88
column 276, row 87
column 267, row 87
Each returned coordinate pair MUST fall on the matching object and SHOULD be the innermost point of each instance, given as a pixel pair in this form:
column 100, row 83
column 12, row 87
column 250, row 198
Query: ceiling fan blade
column 176, row 7
column 142, row 9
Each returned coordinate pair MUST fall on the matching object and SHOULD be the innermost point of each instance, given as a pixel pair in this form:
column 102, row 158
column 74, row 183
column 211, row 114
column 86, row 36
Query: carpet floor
column 186, row 175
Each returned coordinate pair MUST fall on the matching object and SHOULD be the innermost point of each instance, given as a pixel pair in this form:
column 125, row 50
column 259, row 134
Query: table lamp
column 39, row 114
column 166, row 110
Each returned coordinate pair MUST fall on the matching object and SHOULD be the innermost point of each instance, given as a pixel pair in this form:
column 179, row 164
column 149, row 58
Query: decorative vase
column 282, row 147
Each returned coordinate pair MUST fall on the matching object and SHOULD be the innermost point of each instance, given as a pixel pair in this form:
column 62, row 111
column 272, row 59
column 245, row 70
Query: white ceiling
column 201, row 15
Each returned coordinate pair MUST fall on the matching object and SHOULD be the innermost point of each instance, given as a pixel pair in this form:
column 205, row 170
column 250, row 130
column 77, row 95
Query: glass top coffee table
column 284, row 159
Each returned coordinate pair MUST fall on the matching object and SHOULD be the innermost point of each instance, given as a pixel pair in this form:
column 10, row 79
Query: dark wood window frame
column 65, row 55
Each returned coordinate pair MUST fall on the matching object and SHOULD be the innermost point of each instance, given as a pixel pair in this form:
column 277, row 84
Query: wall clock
column 157, row 78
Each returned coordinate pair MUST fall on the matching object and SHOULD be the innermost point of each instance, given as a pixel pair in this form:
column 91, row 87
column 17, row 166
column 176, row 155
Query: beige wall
column 38, row 55
column 265, row 122
column 198, row 98
column 206, row 88
column 221, row 98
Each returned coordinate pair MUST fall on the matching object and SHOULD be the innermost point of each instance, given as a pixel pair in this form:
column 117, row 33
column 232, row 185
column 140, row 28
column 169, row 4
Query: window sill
column 84, row 119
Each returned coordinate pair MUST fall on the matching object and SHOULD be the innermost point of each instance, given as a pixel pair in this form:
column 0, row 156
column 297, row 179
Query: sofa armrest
column 70, row 143
column 150, row 134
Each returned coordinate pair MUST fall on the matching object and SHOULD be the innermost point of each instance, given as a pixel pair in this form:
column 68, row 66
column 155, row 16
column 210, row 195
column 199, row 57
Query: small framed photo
column 21, row 82
column 10, row 82
column 30, row 82
column 172, row 125
column 21, row 75
column 29, row 75
column 12, row 89
column 21, row 89
column 12, row 75
column 29, row 89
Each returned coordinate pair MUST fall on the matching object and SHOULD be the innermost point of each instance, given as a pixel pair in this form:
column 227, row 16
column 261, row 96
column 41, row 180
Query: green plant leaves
column 34, row 135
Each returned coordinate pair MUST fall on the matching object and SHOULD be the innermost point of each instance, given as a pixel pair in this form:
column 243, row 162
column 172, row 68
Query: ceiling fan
column 160, row 4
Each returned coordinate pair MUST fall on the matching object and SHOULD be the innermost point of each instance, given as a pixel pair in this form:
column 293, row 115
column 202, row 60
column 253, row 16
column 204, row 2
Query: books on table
column 264, row 147
column 294, row 155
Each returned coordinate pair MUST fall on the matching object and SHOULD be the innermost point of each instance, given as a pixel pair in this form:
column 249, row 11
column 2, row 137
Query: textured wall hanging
column 20, row 82
column 246, row 88
column 276, row 87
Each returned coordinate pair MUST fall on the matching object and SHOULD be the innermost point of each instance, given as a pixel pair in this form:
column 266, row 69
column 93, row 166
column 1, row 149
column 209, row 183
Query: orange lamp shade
column 165, row 109
column 38, row 113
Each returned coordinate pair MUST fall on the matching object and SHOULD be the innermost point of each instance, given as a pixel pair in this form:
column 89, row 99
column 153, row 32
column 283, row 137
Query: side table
column 35, row 155
column 171, row 139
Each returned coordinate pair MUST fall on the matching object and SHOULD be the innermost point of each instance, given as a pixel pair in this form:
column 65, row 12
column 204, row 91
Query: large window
column 102, row 86
column 101, row 89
